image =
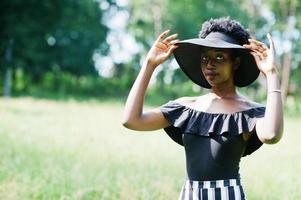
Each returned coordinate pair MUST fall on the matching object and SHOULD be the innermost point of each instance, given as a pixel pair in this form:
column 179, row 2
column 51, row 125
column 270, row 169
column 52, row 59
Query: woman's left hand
column 264, row 56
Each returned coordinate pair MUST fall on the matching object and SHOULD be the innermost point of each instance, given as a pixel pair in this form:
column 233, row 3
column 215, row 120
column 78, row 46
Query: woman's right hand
column 162, row 49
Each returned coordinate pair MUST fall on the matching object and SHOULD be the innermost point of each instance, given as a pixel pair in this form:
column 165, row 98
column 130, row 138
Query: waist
column 212, row 184
column 202, row 169
column 213, row 158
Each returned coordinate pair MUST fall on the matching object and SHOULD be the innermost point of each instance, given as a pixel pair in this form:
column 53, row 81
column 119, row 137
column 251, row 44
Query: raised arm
column 133, row 117
column 269, row 128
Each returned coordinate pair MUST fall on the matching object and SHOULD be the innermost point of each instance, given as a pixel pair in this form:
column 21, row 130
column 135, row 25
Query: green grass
column 79, row 150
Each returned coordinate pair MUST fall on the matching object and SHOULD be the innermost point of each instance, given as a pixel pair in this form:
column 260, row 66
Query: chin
column 212, row 83
column 216, row 84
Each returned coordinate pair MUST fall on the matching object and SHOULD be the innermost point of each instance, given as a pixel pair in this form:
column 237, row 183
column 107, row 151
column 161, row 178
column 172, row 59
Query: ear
column 236, row 63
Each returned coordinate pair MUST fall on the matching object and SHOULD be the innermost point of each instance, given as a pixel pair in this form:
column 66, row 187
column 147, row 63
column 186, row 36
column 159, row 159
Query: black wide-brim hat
column 188, row 56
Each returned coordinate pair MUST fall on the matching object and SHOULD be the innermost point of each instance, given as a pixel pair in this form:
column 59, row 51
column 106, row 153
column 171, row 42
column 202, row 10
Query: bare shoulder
column 254, row 104
column 249, row 103
column 186, row 100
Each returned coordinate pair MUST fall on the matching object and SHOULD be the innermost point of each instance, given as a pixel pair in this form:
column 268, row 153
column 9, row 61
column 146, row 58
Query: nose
column 210, row 64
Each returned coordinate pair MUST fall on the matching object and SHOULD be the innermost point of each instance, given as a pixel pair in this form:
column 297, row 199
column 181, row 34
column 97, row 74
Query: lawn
column 79, row 150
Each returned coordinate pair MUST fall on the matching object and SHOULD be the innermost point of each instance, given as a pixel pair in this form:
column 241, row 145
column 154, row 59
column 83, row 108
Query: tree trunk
column 8, row 72
column 285, row 74
column 7, row 82
column 156, row 8
column 288, row 12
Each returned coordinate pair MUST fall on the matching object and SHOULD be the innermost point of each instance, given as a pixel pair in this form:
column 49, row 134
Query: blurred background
column 64, row 48
column 66, row 68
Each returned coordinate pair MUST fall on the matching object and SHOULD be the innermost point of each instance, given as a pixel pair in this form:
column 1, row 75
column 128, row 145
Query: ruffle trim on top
column 205, row 124
column 185, row 120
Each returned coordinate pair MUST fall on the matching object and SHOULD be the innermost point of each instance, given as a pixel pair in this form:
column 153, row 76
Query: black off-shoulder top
column 213, row 142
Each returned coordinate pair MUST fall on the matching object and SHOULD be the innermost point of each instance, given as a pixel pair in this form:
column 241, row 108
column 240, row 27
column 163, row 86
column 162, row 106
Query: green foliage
column 46, row 36
column 52, row 42
column 187, row 17
column 184, row 18
column 64, row 85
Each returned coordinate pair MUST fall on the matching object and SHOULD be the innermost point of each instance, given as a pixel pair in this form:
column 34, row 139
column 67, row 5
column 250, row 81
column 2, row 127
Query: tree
column 47, row 36
column 288, row 26
column 183, row 17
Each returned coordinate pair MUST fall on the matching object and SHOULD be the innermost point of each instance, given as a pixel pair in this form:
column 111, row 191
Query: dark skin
column 218, row 66
column 223, row 97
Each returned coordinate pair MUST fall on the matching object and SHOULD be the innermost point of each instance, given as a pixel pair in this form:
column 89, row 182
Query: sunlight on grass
column 79, row 150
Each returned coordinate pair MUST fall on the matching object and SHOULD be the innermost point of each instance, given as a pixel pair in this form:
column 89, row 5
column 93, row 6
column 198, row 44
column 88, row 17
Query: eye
column 204, row 59
column 220, row 58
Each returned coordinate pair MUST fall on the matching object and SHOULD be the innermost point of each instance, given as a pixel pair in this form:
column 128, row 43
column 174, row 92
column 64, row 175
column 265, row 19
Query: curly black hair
column 228, row 26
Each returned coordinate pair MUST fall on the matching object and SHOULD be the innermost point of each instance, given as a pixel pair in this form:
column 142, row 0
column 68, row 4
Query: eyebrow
column 218, row 51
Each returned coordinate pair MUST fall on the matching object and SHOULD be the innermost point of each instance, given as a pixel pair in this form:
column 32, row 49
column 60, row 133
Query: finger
column 271, row 41
column 262, row 55
column 254, row 54
column 162, row 35
column 257, row 42
column 174, row 42
column 260, row 46
column 162, row 46
column 259, row 54
column 265, row 54
column 256, row 57
column 254, row 46
column 168, row 39
column 172, row 48
column 261, row 49
column 248, row 46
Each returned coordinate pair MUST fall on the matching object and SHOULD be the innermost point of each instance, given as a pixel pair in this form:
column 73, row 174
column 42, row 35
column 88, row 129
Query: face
column 218, row 66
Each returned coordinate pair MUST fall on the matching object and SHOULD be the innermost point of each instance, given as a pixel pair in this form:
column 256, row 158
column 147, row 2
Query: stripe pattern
column 230, row 189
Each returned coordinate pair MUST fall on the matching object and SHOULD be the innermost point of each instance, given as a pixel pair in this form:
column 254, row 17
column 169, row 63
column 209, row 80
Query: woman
column 218, row 128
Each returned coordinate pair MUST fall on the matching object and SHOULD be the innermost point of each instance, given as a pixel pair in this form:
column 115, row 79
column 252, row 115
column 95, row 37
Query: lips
column 210, row 74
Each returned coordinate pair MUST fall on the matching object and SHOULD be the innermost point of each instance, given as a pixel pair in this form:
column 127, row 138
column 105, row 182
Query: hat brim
column 188, row 57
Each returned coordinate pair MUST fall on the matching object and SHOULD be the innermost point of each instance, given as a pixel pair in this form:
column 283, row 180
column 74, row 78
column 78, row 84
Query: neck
column 224, row 91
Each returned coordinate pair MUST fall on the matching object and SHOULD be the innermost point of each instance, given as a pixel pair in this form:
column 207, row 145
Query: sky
column 122, row 44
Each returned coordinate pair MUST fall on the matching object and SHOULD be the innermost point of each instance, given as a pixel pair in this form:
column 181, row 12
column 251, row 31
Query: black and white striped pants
column 230, row 189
